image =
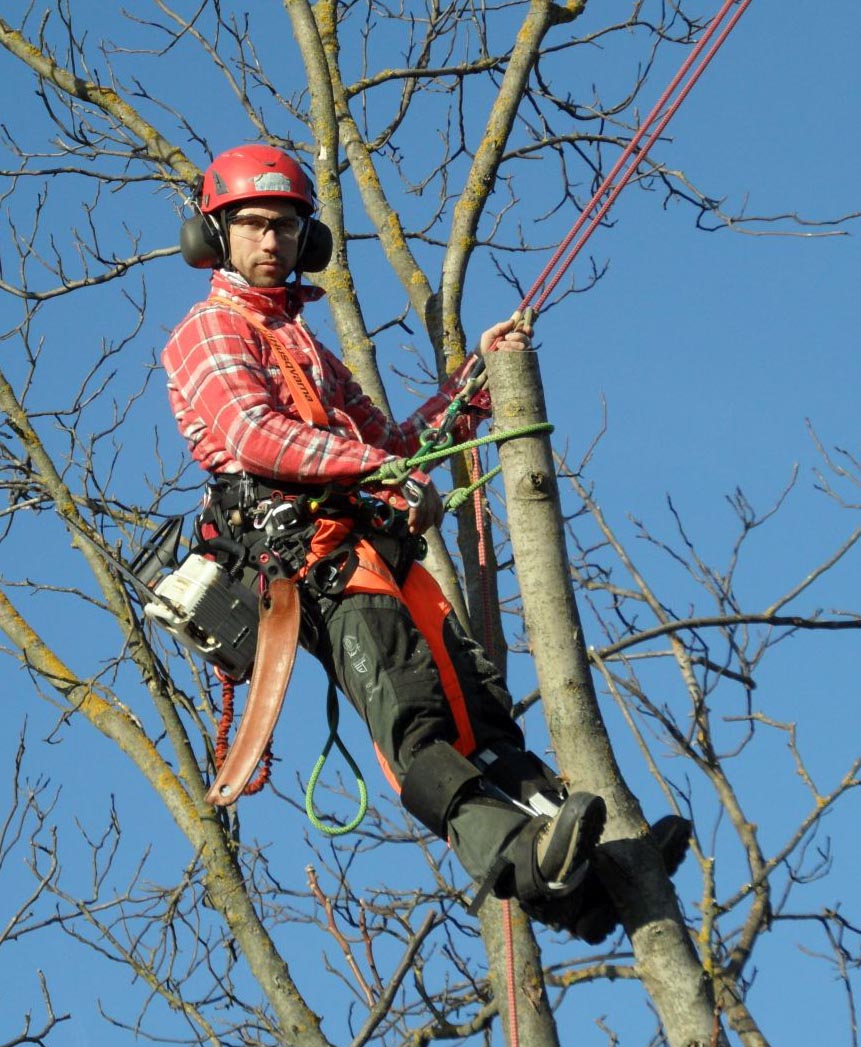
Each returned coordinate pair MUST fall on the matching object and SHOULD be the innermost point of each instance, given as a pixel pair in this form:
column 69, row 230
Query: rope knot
column 393, row 473
column 456, row 498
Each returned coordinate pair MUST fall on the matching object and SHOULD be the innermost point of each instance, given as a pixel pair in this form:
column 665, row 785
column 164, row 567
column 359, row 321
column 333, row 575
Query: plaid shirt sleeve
column 376, row 428
column 230, row 408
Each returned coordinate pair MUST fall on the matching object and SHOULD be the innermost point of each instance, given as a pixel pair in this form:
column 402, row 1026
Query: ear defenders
column 202, row 242
column 203, row 245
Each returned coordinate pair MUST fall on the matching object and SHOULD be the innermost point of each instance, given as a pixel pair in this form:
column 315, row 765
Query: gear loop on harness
column 275, row 531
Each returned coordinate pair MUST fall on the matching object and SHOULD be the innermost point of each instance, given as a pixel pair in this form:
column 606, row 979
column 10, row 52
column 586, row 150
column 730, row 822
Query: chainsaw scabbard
column 277, row 639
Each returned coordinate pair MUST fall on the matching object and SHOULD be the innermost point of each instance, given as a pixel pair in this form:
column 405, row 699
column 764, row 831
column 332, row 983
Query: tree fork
column 628, row 862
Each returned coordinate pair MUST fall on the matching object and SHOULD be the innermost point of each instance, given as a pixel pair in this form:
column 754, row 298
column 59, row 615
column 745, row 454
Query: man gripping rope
column 287, row 435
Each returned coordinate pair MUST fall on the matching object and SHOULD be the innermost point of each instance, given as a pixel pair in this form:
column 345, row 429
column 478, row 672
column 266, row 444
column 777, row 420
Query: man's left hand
column 426, row 507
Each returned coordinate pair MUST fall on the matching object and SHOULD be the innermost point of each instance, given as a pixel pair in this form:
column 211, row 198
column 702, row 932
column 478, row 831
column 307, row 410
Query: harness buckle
column 247, row 492
column 277, row 514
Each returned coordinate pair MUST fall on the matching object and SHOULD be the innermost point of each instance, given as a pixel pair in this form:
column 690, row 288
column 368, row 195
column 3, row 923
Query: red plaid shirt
column 235, row 409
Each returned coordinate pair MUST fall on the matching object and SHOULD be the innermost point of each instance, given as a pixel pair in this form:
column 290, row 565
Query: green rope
column 332, row 715
column 456, row 498
column 396, row 471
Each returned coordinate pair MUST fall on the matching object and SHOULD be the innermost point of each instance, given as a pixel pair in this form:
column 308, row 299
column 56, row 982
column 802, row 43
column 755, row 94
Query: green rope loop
column 332, row 715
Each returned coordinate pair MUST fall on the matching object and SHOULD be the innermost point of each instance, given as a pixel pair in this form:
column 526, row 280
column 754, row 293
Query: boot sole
column 576, row 832
column 672, row 834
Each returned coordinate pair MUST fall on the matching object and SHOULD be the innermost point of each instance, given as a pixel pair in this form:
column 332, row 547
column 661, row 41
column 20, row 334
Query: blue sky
column 711, row 354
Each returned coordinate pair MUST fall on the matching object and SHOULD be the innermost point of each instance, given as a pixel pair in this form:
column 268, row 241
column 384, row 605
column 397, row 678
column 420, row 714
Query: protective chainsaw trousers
column 417, row 679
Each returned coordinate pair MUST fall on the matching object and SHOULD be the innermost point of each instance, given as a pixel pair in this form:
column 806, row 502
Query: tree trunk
column 628, row 862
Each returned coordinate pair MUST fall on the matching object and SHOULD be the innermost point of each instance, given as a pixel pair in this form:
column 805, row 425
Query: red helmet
column 253, row 171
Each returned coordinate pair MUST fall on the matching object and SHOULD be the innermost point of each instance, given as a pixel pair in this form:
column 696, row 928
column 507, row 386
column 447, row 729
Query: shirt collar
column 269, row 301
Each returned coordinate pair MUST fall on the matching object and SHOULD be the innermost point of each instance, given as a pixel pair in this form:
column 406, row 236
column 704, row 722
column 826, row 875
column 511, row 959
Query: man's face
column 264, row 241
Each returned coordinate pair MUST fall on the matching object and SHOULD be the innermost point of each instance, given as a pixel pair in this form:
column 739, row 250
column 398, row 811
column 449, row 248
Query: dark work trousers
column 414, row 686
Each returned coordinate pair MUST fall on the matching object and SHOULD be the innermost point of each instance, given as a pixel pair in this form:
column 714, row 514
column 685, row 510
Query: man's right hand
column 514, row 335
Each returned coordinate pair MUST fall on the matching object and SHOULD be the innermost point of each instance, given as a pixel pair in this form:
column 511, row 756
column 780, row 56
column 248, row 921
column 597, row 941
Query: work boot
column 548, row 857
column 563, row 846
column 588, row 912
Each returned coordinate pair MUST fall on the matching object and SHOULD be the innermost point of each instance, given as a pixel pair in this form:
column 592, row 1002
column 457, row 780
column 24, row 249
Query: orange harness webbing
column 304, row 394
column 424, row 600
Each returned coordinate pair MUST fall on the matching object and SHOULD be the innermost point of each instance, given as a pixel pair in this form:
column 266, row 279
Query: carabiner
column 435, row 440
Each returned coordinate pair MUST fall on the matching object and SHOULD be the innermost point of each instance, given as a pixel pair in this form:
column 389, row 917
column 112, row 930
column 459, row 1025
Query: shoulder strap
column 304, row 394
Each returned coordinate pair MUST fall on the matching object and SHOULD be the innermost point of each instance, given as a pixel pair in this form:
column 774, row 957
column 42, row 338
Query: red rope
column 508, row 928
column 607, row 184
column 483, row 569
column 222, row 737
column 483, row 566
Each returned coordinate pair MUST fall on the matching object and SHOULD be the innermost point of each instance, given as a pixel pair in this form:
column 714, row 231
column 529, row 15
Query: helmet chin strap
column 223, row 217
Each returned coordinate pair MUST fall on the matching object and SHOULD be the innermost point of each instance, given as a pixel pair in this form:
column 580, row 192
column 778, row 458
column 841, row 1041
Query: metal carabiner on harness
column 262, row 512
column 277, row 514
column 413, row 493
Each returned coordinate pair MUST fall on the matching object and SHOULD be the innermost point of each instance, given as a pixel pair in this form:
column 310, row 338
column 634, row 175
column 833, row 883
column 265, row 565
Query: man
column 278, row 420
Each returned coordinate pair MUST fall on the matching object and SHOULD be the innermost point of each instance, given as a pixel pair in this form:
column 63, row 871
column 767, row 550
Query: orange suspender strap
column 427, row 606
column 304, row 394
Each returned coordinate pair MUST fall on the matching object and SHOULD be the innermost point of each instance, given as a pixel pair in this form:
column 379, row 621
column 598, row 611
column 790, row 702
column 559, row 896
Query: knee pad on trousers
column 522, row 776
column 437, row 779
